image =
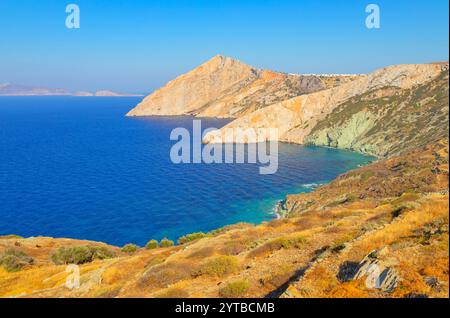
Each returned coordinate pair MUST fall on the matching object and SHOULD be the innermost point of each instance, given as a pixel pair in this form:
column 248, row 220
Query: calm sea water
column 76, row 167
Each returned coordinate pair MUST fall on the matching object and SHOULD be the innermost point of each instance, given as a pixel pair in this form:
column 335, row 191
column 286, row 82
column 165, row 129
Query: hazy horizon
column 137, row 47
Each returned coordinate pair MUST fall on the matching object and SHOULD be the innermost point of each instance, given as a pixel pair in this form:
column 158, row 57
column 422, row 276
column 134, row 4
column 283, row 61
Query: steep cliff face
column 296, row 118
column 352, row 112
column 224, row 87
column 388, row 120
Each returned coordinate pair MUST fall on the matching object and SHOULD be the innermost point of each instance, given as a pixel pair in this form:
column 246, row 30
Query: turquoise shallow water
column 76, row 167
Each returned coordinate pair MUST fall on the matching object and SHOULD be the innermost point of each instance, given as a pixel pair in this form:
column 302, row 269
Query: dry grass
column 161, row 276
column 219, row 266
column 277, row 244
column 234, row 289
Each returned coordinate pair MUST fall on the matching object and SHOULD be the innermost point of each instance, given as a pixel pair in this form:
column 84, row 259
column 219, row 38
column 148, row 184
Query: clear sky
column 137, row 46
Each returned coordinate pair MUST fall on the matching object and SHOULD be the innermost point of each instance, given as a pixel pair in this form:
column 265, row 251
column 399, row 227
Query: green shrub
column 130, row 248
column 101, row 252
column 80, row 254
column 13, row 260
column 152, row 244
column 219, row 266
column 191, row 237
column 234, row 289
column 165, row 242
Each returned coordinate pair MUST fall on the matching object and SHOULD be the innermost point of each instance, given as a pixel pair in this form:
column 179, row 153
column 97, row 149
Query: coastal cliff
column 371, row 103
column 349, row 111
column 224, row 87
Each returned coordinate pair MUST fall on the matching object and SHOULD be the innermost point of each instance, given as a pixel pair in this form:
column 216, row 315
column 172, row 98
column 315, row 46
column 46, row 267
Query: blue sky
column 137, row 46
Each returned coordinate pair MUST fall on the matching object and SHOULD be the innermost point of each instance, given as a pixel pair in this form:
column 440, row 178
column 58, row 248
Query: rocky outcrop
column 351, row 112
column 388, row 120
column 296, row 118
column 378, row 273
column 224, row 87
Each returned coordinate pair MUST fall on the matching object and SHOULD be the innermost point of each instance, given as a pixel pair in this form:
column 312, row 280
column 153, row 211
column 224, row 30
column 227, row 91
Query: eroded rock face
column 224, row 87
column 296, row 118
column 387, row 121
column 350, row 112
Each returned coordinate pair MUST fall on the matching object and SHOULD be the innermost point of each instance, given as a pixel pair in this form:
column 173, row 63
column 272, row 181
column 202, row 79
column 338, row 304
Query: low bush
column 234, row 289
column 191, row 237
column 152, row 244
column 14, row 260
column 130, row 248
column 219, row 266
column 234, row 247
column 80, row 254
column 165, row 242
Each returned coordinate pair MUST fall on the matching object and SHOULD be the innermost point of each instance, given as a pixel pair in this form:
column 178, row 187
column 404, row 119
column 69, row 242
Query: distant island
column 9, row 89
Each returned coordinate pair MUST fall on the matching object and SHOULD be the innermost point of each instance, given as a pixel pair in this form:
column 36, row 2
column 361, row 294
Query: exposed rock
column 377, row 273
column 347, row 271
column 224, row 87
column 432, row 282
column 295, row 118
column 386, row 121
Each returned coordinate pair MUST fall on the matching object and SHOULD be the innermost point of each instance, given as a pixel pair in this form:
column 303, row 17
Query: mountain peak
column 224, row 60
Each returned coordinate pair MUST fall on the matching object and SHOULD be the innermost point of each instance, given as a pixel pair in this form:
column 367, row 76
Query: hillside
column 297, row 118
column 387, row 120
column 224, row 87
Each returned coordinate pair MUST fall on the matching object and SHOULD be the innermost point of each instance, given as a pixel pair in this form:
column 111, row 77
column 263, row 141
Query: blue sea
column 77, row 167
